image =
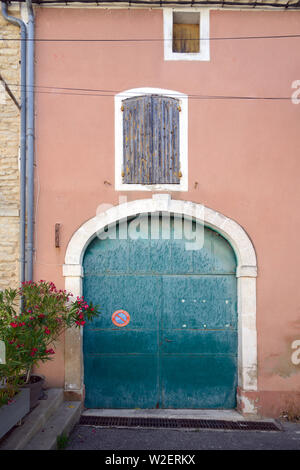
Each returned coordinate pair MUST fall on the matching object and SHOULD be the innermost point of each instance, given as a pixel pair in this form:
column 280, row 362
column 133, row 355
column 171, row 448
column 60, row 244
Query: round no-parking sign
column 120, row 318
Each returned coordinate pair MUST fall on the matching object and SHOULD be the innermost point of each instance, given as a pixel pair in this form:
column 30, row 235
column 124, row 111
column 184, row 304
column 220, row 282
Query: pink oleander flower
column 33, row 351
column 50, row 351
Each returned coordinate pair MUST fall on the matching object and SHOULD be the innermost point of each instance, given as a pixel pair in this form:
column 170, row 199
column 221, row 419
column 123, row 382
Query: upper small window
column 186, row 34
column 186, row 29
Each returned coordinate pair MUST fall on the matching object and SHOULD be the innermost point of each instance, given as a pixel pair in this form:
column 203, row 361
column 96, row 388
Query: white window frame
column 183, row 140
column 204, row 53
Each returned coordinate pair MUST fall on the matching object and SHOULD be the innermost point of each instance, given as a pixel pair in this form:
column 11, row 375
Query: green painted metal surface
column 180, row 348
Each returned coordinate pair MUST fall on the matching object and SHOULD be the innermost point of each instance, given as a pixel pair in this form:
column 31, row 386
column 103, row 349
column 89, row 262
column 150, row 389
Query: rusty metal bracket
column 57, row 235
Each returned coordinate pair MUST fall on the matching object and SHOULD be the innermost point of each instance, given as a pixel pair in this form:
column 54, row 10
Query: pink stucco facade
column 243, row 155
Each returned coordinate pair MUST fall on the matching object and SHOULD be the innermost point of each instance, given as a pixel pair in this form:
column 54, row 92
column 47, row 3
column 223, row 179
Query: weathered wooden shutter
column 186, row 38
column 165, row 134
column 151, row 140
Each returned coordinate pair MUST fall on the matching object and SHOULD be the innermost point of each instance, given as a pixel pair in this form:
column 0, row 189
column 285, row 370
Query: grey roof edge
column 239, row 4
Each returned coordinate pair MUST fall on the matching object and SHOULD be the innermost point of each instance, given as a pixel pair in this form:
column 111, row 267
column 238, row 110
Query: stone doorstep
column 222, row 415
column 230, row 415
column 61, row 422
column 34, row 421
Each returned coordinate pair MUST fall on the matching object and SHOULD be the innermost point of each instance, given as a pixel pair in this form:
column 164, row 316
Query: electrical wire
column 94, row 92
column 129, row 40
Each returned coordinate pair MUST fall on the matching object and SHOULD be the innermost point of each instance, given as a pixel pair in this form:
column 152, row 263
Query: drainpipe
column 22, row 27
column 30, row 139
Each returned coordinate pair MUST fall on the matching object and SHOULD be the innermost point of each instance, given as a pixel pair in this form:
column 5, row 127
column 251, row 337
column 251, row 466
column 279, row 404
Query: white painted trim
column 183, row 140
column 204, row 54
column 246, row 274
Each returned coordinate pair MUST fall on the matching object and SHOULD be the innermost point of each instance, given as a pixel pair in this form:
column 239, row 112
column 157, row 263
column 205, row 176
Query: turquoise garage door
column 167, row 334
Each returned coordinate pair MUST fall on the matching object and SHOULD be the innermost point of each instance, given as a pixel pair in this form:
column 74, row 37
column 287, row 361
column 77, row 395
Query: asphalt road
column 118, row 439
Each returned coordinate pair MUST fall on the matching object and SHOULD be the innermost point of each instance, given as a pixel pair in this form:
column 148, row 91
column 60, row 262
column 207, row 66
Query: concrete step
column 61, row 422
column 34, row 421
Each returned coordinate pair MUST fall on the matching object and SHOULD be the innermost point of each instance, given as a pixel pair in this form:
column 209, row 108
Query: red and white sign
column 120, row 318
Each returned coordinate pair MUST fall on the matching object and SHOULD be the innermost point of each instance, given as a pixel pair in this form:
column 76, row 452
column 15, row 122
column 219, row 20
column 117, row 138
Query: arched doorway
column 167, row 334
column 246, row 273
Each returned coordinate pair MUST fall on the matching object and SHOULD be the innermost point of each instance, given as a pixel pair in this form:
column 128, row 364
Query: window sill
column 183, row 56
column 152, row 187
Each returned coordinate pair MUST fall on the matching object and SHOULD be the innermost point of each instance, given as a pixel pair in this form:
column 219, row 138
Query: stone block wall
column 9, row 155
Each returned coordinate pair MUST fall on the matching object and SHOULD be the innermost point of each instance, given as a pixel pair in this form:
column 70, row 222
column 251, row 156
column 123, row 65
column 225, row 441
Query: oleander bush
column 30, row 333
